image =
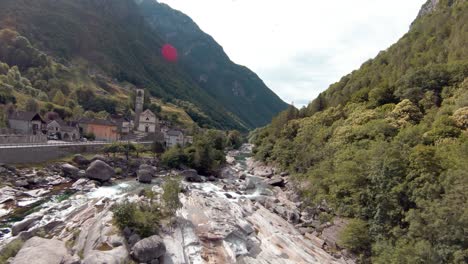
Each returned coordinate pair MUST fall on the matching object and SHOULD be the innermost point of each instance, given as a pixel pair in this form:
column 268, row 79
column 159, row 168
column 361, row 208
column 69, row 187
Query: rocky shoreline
column 249, row 214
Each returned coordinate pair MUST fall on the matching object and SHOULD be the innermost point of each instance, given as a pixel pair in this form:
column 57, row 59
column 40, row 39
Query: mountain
column 386, row 146
column 113, row 39
column 239, row 89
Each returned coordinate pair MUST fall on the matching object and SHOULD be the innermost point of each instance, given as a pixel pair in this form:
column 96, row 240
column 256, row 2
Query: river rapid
column 230, row 220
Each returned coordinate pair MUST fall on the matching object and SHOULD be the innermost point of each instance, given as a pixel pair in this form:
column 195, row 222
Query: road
column 62, row 143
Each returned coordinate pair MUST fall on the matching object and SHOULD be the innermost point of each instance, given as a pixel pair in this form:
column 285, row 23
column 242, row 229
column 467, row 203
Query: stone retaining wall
column 17, row 155
column 19, row 139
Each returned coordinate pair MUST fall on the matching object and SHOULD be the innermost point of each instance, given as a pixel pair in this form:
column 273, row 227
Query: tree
column 234, row 139
column 139, row 148
column 355, row 236
column 59, row 98
column 157, row 148
column 32, row 105
column 170, row 197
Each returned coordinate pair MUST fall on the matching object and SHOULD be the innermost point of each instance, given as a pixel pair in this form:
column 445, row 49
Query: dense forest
column 387, row 146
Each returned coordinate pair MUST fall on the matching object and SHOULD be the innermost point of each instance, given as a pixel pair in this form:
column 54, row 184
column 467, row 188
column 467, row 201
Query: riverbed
column 224, row 221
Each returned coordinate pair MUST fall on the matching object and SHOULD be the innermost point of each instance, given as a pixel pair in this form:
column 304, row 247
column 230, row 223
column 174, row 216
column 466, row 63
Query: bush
column 174, row 157
column 143, row 218
column 170, row 196
column 355, row 236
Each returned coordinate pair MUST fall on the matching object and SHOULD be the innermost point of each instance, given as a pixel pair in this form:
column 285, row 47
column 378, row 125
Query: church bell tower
column 139, row 100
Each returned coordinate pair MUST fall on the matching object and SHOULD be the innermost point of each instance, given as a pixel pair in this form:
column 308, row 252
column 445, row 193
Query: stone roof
column 95, row 121
column 25, row 116
column 174, row 133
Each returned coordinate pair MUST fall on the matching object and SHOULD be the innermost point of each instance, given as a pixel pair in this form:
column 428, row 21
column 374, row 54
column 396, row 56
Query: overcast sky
column 300, row 47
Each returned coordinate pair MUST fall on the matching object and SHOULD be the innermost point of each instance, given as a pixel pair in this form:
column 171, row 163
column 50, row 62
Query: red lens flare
column 169, row 53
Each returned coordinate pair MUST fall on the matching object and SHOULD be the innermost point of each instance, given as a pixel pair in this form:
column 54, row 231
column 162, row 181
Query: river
column 220, row 222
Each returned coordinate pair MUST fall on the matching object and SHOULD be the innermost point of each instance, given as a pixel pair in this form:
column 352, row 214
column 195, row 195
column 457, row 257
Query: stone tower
column 139, row 100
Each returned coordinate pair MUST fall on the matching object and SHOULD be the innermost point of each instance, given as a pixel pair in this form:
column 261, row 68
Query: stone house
column 29, row 123
column 148, row 122
column 173, row 138
column 102, row 129
column 124, row 125
column 64, row 131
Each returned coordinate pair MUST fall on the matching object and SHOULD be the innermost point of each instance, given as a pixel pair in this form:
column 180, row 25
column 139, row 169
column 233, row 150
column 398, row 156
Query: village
column 30, row 128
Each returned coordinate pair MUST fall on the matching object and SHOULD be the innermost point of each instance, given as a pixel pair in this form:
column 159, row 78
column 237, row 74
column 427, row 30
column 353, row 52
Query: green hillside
column 387, row 146
column 110, row 38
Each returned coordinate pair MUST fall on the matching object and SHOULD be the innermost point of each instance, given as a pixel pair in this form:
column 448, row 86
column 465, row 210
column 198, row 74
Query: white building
column 148, row 122
column 176, row 137
column 173, row 138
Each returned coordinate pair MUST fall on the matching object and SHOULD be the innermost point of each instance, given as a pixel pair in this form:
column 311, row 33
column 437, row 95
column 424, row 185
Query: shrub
column 355, row 236
column 143, row 218
column 170, row 196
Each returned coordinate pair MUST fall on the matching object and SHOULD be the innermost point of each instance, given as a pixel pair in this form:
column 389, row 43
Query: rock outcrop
column 43, row 251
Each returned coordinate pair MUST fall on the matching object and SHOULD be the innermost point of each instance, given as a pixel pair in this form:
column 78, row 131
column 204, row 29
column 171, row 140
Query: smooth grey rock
column 100, row 171
column 24, row 224
column 148, row 249
column 83, row 185
column 191, row 176
column 118, row 255
column 42, row 251
column 80, row 160
column 144, row 175
column 21, row 183
column 249, row 184
column 70, row 170
column 276, row 182
column 98, row 157
column 133, row 239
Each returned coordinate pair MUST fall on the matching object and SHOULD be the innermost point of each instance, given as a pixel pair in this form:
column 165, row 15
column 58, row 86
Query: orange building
column 101, row 129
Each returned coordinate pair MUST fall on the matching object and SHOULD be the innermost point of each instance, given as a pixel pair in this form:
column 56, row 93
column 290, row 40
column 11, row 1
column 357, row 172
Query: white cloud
column 300, row 47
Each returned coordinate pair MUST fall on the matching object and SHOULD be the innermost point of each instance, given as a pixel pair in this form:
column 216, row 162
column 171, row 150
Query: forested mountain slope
column 387, row 146
column 239, row 89
column 111, row 38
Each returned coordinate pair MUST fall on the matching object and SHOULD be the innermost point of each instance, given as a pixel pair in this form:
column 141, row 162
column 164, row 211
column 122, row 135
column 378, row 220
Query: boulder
column 133, row 239
column 331, row 233
column 98, row 157
column 21, row 183
column 100, row 171
column 249, row 184
column 276, row 182
column 42, row 251
column 145, row 173
column 212, row 178
column 149, row 249
column 70, row 171
column 191, row 176
column 80, row 160
column 243, row 176
column 263, row 171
